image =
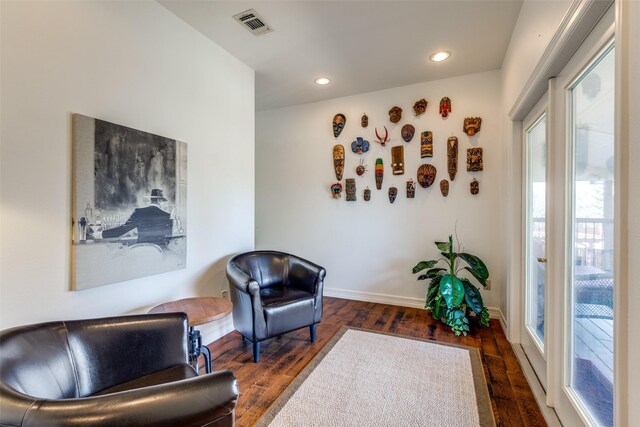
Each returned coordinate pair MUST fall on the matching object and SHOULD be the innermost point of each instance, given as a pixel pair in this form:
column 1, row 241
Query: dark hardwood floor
column 281, row 359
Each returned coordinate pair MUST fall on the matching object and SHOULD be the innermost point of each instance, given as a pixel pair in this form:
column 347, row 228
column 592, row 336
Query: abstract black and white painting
column 129, row 203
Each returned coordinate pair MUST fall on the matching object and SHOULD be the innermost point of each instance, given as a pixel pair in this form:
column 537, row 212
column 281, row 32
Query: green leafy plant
column 451, row 298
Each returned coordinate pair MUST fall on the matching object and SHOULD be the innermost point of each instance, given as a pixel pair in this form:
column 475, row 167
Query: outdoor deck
column 594, row 342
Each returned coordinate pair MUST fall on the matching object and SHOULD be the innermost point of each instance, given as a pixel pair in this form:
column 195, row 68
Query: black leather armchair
column 120, row 371
column 274, row 293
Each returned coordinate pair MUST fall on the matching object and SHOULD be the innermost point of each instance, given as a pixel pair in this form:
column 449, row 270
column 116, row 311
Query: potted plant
column 451, row 298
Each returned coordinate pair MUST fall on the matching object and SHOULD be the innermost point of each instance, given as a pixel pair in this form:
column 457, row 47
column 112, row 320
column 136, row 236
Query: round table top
column 199, row 310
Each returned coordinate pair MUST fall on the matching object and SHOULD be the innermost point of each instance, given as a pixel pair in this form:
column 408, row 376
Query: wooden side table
column 199, row 311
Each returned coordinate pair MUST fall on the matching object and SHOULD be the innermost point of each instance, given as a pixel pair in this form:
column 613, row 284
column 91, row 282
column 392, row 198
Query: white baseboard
column 494, row 312
column 214, row 330
column 548, row 413
column 374, row 297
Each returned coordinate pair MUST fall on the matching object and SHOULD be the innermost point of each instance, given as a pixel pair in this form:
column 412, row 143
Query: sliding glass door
column 568, row 187
column 590, row 223
column 584, row 358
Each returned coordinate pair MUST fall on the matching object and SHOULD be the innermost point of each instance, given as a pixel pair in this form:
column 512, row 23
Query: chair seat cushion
column 286, row 309
column 280, row 295
column 174, row 373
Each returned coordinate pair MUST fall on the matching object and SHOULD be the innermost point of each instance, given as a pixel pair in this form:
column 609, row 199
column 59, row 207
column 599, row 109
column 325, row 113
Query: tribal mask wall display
column 395, row 114
column 379, row 173
column 360, row 146
column 397, row 160
column 472, row 125
column 426, row 144
column 426, row 175
column 351, row 189
column 383, row 141
column 361, row 168
column 452, row 156
column 367, row 194
column 420, row 107
column 475, row 186
column 339, row 120
column 411, row 189
column 336, row 190
column 407, row 132
column 445, row 107
column 364, row 121
column 444, row 187
column 474, row 159
column 393, row 192
column 338, row 160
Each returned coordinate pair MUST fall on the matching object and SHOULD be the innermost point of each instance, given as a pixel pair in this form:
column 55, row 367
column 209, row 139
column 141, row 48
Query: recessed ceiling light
column 323, row 80
column 440, row 56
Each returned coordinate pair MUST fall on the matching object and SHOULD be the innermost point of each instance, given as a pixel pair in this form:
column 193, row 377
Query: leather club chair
column 274, row 293
column 119, row 371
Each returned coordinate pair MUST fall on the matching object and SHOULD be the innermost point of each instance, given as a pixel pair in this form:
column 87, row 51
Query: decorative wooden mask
column 361, row 168
column 420, row 107
column 474, row 159
column 364, row 121
column 367, row 194
column 472, row 125
column 397, row 160
column 351, row 189
column 426, row 144
column 336, row 190
column 379, row 173
column 444, row 187
column 407, row 132
column 383, row 141
column 411, row 189
column 475, row 186
column 339, row 120
column 338, row 160
column 445, row 107
column 426, row 175
column 360, row 146
column 393, row 193
column 452, row 156
column 395, row 114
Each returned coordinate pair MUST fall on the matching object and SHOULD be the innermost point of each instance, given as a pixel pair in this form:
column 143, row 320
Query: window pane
column 536, row 231
column 592, row 110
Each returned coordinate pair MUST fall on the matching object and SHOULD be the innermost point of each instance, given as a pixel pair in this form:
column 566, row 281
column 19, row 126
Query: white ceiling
column 361, row 45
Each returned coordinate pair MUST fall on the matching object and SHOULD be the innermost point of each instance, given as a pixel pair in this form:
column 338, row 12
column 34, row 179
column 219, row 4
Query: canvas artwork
column 129, row 203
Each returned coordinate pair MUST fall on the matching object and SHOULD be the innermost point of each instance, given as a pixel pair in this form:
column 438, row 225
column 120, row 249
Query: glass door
column 590, row 269
column 535, row 238
column 585, row 100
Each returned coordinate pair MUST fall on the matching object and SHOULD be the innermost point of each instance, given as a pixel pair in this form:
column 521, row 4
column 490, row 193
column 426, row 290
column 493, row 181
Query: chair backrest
column 35, row 360
column 268, row 268
column 61, row 360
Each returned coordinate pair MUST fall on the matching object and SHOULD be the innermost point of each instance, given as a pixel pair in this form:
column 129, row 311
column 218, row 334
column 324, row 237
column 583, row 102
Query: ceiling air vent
column 252, row 22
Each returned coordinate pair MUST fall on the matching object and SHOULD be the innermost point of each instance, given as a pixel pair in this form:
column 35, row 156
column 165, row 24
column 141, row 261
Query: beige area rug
column 366, row 378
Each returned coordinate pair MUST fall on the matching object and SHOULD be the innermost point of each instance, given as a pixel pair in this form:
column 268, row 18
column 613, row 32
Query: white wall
column 135, row 64
column 369, row 248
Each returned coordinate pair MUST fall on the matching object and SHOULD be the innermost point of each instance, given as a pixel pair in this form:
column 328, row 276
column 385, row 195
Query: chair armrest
column 192, row 402
column 242, row 281
column 306, row 275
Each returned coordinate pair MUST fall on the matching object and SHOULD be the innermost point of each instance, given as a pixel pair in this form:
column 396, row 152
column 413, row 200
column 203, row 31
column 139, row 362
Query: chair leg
column 207, row 358
column 312, row 331
column 256, row 352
